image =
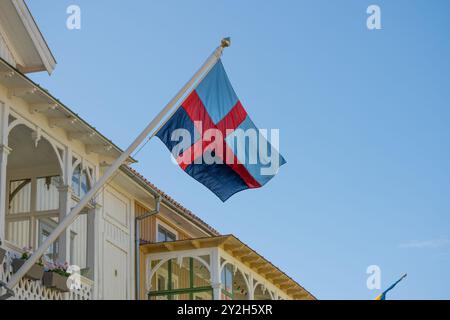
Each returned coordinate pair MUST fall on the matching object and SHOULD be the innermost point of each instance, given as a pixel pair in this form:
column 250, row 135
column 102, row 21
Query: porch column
column 251, row 289
column 4, row 152
column 215, row 274
column 65, row 199
column 92, row 242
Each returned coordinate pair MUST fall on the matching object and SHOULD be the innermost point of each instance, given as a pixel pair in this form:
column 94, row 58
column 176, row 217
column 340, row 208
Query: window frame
column 170, row 293
column 227, row 268
column 167, row 229
column 82, row 175
column 47, row 226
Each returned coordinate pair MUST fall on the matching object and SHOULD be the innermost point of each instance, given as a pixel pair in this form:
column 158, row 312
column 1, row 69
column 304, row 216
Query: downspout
column 137, row 255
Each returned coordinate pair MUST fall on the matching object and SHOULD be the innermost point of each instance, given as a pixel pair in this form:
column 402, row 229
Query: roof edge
column 225, row 238
column 186, row 213
column 46, row 93
column 36, row 36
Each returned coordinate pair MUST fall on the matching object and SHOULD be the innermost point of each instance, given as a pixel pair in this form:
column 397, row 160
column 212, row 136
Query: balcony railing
column 35, row 290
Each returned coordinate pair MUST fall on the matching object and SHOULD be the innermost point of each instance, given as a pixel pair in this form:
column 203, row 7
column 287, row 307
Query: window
column 165, row 236
column 227, row 282
column 180, row 280
column 80, row 182
column 84, row 187
column 76, row 179
column 161, row 283
column 45, row 229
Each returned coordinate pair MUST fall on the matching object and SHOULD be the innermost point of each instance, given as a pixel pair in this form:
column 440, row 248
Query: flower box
column 2, row 255
column 55, row 281
column 35, row 273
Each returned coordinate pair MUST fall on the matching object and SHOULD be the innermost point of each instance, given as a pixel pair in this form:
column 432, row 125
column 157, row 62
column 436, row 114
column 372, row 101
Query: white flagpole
column 73, row 214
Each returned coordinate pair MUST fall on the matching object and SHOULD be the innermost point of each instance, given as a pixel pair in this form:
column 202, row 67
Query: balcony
column 219, row 268
column 42, row 183
column 35, row 290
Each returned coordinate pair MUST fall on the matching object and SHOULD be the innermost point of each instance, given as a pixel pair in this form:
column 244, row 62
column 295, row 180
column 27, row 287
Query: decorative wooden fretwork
column 34, row 290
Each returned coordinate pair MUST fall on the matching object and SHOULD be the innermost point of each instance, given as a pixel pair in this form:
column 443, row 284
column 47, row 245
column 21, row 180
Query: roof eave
column 66, row 109
column 45, row 54
column 131, row 173
column 221, row 241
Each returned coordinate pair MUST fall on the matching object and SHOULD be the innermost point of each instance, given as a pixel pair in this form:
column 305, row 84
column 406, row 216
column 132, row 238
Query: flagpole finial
column 226, row 42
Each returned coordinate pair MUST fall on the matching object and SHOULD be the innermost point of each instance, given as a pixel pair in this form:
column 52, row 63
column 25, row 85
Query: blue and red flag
column 214, row 107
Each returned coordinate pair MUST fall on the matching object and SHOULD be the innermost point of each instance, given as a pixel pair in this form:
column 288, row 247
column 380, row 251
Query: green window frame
column 226, row 281
column 170, row 292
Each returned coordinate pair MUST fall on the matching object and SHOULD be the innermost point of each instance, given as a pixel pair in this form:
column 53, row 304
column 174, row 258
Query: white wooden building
column 49, row 158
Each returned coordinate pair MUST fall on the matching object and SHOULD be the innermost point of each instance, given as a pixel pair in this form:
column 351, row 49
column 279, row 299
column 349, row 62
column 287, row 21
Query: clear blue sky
column 363, row 117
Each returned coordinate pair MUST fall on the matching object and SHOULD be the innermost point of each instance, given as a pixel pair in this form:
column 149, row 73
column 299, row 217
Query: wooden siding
column 78, row 230
column 148, row 226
